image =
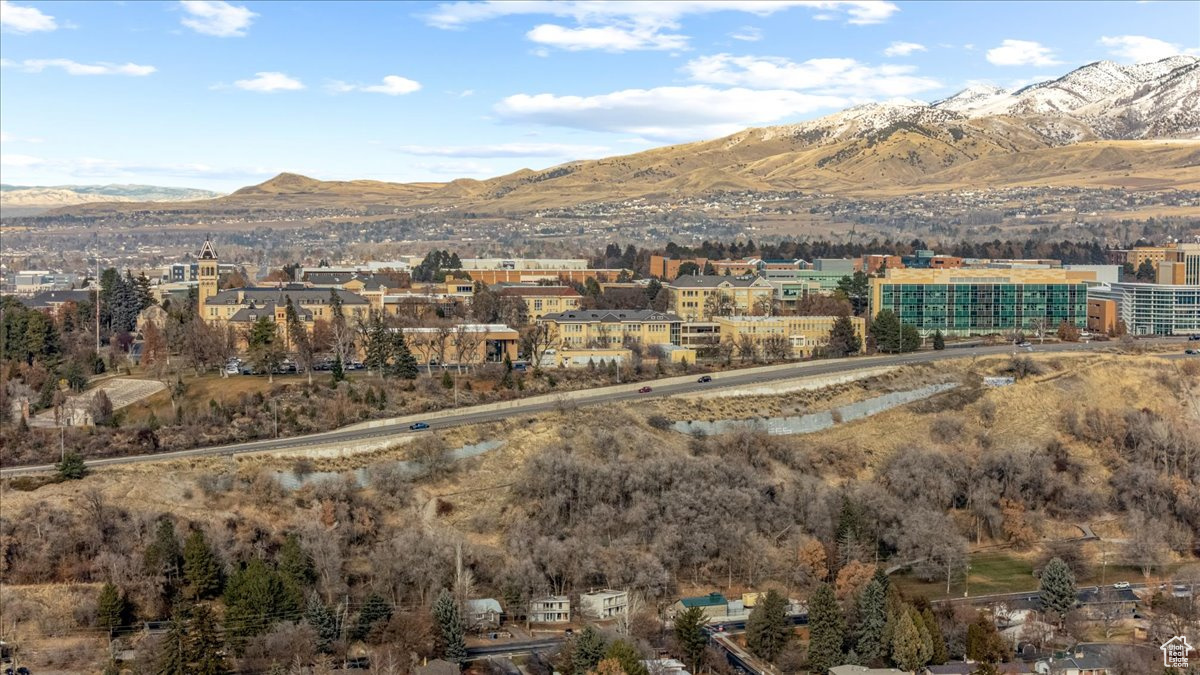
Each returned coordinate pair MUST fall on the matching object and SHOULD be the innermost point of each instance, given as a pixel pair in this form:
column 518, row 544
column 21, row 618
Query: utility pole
column 275, row 410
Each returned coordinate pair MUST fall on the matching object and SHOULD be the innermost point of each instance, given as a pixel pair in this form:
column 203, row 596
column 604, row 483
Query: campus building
column 1152, row 309
column 611, row 328
column 983, row 301
column 542, row 300
column 804, row 333
column 689, row 295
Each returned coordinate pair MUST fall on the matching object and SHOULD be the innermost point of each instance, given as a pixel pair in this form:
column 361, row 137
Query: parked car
column 704, row 378
column 1024, row 345
column 1121, row 585
column 1191, row 351
column 418, row 426
column 645, row 390
column 1194, row 338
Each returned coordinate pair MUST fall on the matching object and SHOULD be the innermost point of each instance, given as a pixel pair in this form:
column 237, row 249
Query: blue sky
column 223, row 94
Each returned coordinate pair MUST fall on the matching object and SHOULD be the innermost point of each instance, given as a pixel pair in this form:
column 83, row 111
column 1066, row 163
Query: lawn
column 991, row 572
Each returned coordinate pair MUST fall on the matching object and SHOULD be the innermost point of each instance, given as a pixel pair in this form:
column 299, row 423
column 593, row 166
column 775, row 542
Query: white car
column 1121, row 585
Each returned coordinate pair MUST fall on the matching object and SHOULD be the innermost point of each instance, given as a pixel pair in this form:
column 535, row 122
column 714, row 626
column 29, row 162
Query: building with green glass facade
column 965, row 302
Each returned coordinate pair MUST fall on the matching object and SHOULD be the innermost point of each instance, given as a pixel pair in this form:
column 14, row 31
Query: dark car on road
column 704, row 378
column 645, row 390
column 418, row 426
column 1194, row 338
column 1191, row 351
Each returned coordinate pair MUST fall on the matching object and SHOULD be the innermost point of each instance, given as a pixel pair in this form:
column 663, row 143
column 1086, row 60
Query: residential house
column 604, row 604
column 550, row 609
column 863, row 670
column 484, row 612
column 438, row 667
column 542, row 300
column 713, row 605
column 689, row 296
column 53, row 300
column 665, row 667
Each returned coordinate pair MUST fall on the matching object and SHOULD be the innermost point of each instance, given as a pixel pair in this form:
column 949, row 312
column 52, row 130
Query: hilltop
column 1100, row 125
column 35, row 198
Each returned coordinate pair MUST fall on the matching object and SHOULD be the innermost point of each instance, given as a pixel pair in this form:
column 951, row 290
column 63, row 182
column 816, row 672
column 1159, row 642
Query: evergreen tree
column 628, row 656
column 984, row 642
column 1146, row 272
column 940, row 652
column 826, row 628
column 872, row 613
column 378, row 344
column 255, row 598
column 857, row 288
column 926, row 651
column 296, row 569
column 843, row 341
column 1058, row 592
column 906, row 644
column 201, row 569
column 403, row 363
column 451, row 630
column 939, row 340
column 205, row 647
column 768, row 628
column 375, row 612
column 264, row 346
column 891, row 335
column 112, row 610
column 71, row 467
column 163, row 556
column 173, row 649
column 317, row 615
column 587, row 651
column 338, row 371
column 298, row 338
column 690, row 635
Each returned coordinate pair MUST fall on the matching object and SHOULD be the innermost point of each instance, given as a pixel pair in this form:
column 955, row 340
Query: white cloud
column 665, row 113
column 216, row 17
column 747, row 34
column 18, row 19
column 494, row 150
column 1142, row 49
column 1022, row 53
column 5, row 137
column 606, row 38
column 20, row 161
column 94, row 168
column 839, row 77
column 269, row 82
column 903, row 48
column 624, row 26
column 76, row 68
column 392, row 85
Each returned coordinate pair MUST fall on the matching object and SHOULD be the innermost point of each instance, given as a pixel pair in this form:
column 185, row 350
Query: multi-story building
column 611, row 328
column 542, row 300
column 1102, row 315
column 550, row 609
column 462, row 344
column 983, row 301
column 804, row 333
column 668, row 268
column 524, row 275
column 824, row 281
column 689, row 296
column 1153, row 309
column 735, row 268
column 1181, row 265
column 605, row 604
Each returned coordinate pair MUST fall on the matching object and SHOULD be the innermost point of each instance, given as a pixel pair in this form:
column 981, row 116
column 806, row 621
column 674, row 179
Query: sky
column 219, row 95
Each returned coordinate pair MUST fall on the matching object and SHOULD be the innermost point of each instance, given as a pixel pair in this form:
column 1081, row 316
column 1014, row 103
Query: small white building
column 604, row 604
column 550, row 609
column 665, row 667
column 484, row 612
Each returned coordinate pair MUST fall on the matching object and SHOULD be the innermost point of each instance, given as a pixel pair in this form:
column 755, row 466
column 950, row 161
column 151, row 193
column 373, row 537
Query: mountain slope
column 1097, row 125
column 31, row 199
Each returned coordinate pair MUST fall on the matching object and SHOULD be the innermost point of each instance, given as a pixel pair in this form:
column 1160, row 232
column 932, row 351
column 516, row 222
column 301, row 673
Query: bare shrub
column 946, row 429
column 390, row 480
column 659, row 422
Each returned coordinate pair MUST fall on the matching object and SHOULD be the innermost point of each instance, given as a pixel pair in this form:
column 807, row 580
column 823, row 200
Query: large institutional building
column 983, row 301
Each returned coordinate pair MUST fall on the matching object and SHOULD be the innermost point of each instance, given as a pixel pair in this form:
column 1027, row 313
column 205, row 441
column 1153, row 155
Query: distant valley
column 30, row 199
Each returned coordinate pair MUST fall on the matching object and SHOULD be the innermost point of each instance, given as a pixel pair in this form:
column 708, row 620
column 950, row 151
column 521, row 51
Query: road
column 481, row 414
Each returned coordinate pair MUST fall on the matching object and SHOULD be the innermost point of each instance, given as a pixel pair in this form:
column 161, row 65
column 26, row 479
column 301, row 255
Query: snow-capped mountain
column 1148, row 100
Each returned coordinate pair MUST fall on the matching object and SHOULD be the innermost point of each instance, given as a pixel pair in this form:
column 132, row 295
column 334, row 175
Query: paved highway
column 480, row 414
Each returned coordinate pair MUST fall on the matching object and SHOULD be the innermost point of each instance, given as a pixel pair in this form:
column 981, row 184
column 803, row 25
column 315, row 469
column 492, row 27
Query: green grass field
column 992, row 572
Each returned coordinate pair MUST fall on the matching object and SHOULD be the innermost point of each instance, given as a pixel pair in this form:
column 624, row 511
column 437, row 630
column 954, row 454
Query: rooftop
column 714, row 281
column 611, row 316
column 710, row 600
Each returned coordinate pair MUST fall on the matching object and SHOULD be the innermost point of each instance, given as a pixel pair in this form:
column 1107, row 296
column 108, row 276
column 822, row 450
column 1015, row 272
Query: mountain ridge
column 1100, row 124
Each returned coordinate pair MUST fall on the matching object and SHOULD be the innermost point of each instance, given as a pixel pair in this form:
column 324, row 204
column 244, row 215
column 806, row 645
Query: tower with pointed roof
column 208, row 274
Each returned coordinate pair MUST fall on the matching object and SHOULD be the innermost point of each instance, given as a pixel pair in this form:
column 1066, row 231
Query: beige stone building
column 542, row 300
column 803, row 333
column 691, row 297
column 611, row 328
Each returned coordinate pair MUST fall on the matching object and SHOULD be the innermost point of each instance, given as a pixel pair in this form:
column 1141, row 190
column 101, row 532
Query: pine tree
column 317, row 615
column 71, row 467
column 1058, row 592
column 826, row 628
column 111, row 608
column 205, row 648
column 628, row 656
column 690, row 635
column 926, row 651
column 939, row 340
column 940, row 653
column 337, row 371
column 201, row 570
column 891, row 335
column 255, row 598
column 163, row 556
column 872, row 613
column 768, row 629
column 296, row 570
column 450, row 638
column 298, row 338
column 404, row 364
column 173, row 649
column 587, row 651
column 375, row 612
column 378, row 344
column 843, row 341
column 906, row 644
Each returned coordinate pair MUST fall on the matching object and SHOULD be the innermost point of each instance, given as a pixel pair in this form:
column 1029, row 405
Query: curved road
column 488, row 413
